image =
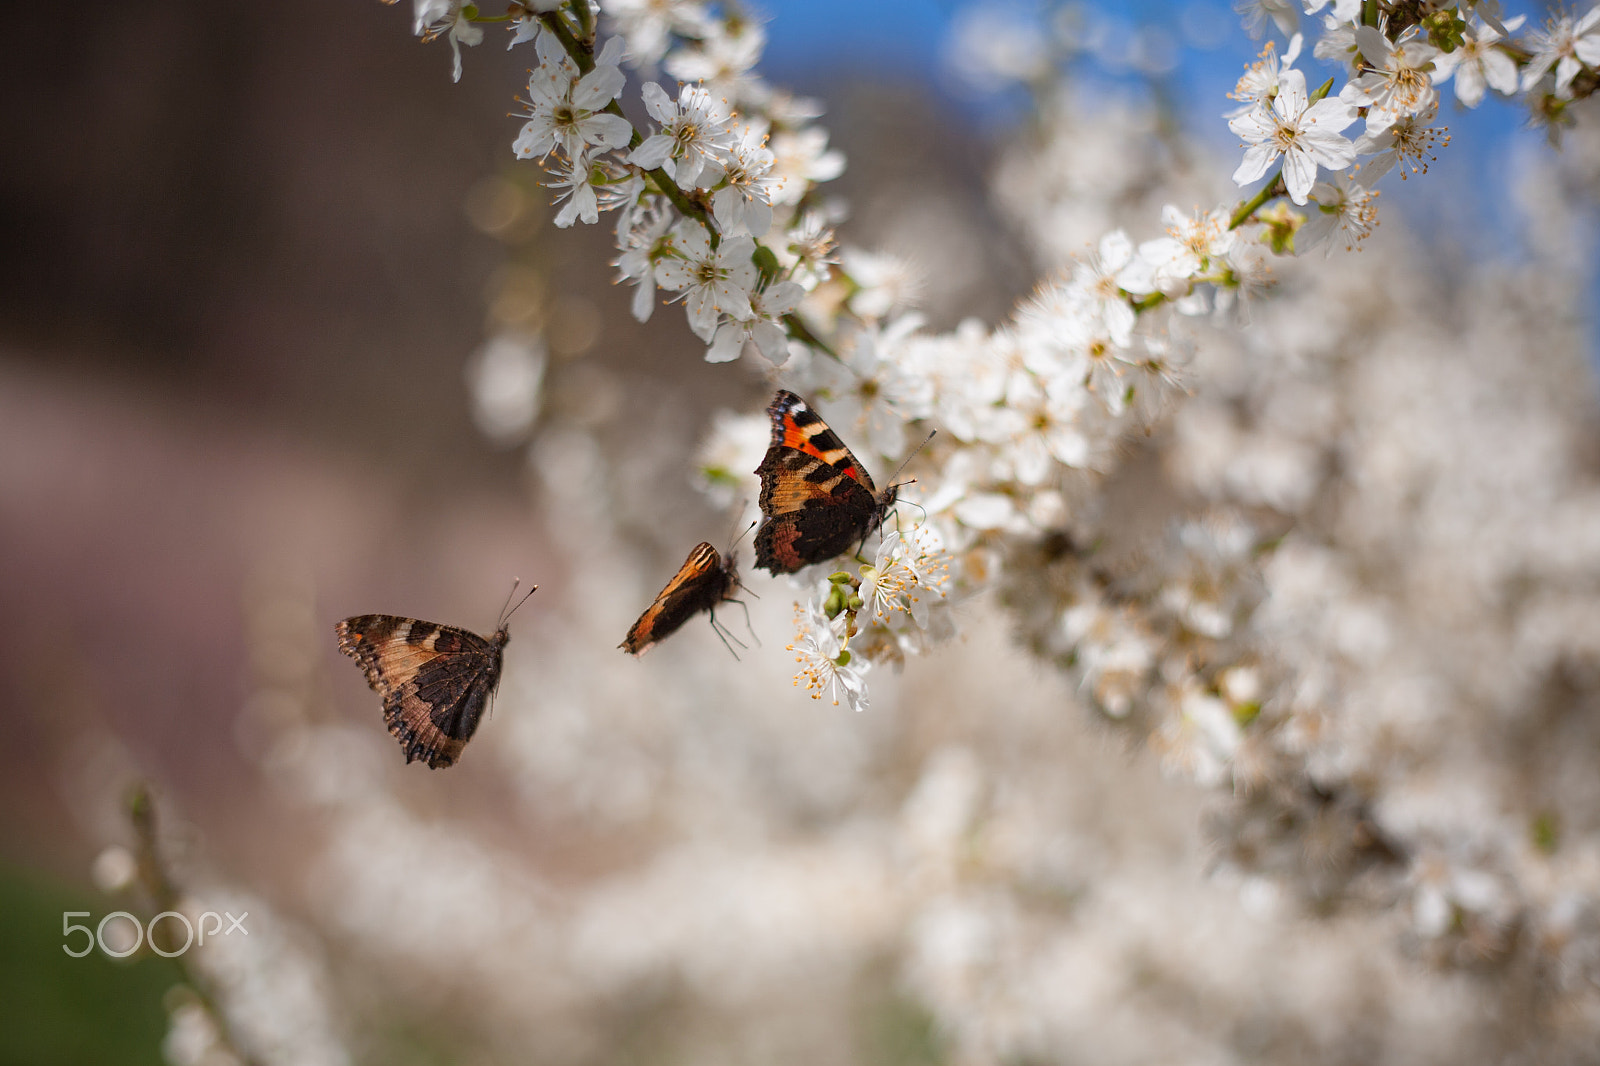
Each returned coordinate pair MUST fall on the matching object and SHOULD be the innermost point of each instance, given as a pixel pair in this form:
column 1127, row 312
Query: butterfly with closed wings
column 705, row 580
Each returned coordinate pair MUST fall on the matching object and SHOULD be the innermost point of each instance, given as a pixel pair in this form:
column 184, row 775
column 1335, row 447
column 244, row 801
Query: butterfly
column 435, row 680
column 817, row 497
column 703, row 581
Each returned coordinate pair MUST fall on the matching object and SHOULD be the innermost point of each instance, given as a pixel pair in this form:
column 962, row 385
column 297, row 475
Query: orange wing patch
column 795, row 425
column 796, row 481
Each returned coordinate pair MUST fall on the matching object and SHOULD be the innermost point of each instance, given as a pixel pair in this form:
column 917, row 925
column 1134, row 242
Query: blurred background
column 255, row 264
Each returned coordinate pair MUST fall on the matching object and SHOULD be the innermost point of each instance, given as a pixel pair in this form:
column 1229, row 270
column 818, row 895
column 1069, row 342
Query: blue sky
column 815, row 41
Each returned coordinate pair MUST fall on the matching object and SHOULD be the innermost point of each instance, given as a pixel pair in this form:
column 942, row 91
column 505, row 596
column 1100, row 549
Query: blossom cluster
column 1094, row 354
column 1182, row 641
column 1022, row 410
column 1252, row 646
column 881, row 614
column 713, row 199
column 712, row 215
column 1396, row 59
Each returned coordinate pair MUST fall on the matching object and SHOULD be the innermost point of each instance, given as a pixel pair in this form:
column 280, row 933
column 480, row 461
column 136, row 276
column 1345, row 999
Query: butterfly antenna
column 931, row 434
column 515, row 582
column 894, row 485
column 738, row 516
column 730, row 560
column 735, row 542
column 505, row 615
column 918, row 506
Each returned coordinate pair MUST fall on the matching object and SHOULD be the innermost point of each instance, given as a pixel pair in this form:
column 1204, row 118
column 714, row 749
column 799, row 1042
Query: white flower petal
column 654, row 152
column 1258, row 159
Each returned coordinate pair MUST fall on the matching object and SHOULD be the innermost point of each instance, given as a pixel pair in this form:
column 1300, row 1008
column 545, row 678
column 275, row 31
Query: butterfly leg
column 722, row 632
column 862, row 546
column 747, row 624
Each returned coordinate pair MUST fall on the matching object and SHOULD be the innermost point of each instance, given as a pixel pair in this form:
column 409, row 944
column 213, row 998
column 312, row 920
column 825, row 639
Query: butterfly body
column 818, row 498
column 436, row 681
column 703, row 581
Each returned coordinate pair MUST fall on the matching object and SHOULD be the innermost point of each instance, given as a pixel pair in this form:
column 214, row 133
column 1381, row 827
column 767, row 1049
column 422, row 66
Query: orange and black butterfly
column 704, row 580
column 436, row 680
column 818, row 498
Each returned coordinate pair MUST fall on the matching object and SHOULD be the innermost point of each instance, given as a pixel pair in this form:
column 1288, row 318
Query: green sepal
column 766, row 261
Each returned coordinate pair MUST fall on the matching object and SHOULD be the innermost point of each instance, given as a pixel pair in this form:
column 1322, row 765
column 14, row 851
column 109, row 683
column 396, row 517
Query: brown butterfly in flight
column 704, row 580
column 436, row 680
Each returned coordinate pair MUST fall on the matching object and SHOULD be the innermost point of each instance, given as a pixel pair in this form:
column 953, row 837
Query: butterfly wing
column 817, row 496
column 702, row 582
column 435, row 681
column 814, row 512
column 796, row 426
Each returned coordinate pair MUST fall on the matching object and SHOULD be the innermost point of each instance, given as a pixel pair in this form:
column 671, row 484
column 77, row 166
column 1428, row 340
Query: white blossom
column 764, row 327
column 1477, row 62
column 1398, row 80
column 810, row 249
column 1257, row 14
column 574, row 177
column 827, row 668
column 726, row 460
column 969, row 378
column 1044, row 424
column 649, row 25
column 1304, row 134
column 886, row 282
column 1342, row 211
column 1103, row 278
column 745, row 201
column 694, row 131
column 723, row 61
column 713, row 282
column 506, row 379
column 1201, row 739
column 993, row 46
column 908, row 573
column 643, row 243
column 1250, row 270
column 526, row 28
column 1409, row 142
column 1343, row 10
column 1338, row 43
column 875, row 387
column 566, row 111
column 1259, row 83
column 1566, row 45
column 1115, row 653
column 435, row 17
column 799, row 159
column 1192, row 246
